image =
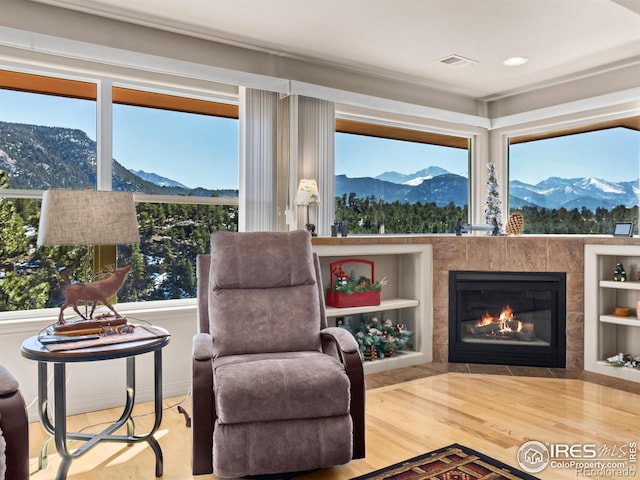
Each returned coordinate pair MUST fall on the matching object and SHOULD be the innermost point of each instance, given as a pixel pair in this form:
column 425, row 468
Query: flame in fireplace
column 506, row 320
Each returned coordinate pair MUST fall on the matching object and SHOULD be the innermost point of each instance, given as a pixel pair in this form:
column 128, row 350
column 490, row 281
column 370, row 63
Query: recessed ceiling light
column 515, row 61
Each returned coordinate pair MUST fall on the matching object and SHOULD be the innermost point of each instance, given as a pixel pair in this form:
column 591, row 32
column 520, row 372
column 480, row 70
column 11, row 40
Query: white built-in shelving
column 405, row 299
column 606, row 334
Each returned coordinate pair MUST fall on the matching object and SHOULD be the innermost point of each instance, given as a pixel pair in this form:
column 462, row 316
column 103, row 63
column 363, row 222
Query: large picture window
column 168, row 146
column 179, row 157
column 397, row 180
column 576, row 181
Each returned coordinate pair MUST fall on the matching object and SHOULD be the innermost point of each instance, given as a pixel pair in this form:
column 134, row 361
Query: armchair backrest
column 264, row 293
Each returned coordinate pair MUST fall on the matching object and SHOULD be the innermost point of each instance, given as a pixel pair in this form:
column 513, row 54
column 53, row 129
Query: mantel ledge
column 435, row 238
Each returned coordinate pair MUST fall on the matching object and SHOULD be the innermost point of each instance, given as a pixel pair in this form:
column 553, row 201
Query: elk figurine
column 94, row 292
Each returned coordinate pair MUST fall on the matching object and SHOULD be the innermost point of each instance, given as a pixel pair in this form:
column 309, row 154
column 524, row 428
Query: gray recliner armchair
column 274, row 389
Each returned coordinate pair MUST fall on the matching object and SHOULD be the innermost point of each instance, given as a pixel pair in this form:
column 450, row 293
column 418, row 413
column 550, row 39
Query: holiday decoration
column 350, row 290
column 492, row 209
column 380, row 340
column 624, row 360
column 515, row 224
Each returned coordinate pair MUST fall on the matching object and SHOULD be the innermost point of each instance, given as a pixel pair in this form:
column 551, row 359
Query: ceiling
column 406, row 39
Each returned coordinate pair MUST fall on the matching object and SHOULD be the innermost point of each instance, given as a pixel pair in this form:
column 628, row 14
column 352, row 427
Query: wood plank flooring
column 410, row 411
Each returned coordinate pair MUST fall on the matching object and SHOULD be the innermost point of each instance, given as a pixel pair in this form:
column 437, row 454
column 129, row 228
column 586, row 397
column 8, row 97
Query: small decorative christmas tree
column 492, row 207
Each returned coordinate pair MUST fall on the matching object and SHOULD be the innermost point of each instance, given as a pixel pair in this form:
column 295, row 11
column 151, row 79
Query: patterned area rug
column 454, row 462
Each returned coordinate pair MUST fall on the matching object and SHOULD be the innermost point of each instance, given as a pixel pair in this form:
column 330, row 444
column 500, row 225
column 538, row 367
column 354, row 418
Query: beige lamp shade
column 307, row 193
column 87, row 217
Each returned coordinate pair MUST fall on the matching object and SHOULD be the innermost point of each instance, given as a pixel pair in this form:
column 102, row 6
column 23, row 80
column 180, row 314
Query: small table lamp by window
column 89, row 217
column 308, row 195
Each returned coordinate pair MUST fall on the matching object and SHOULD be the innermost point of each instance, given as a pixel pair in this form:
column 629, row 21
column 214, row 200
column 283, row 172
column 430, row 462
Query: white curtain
column 283, row 140
column 258, row 145
column 316, row 157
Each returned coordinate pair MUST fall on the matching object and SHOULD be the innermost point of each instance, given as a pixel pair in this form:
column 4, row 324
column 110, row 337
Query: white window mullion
column 104, row 135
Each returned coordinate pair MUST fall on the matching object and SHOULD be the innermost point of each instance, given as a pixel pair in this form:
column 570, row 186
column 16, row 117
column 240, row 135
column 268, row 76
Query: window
column 170, row 146
column 179, row 155
column 576, row 181
column 396, row 180
column 47, row 140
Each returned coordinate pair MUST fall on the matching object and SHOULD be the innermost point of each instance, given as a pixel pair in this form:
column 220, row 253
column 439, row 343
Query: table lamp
column 89, row 217
column 308, row 195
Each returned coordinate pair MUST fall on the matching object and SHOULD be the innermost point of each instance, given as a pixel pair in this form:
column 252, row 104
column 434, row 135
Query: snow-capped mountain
column 430, row 185
column 437, row 185
column 158, row 179
column 571, row 193
column 412, row 179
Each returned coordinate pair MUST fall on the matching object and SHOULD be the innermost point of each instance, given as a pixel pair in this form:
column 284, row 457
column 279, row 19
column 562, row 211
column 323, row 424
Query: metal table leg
column 60, row 419
column 58, row 428
column 43, row 397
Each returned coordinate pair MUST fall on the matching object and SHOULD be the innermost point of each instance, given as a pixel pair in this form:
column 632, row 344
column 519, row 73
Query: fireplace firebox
column 508, row 318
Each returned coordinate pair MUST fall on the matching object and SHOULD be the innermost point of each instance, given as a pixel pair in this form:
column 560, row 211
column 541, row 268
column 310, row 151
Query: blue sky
column 361, row 156
column 202, row 151
column 612, row 154
column 196, row 150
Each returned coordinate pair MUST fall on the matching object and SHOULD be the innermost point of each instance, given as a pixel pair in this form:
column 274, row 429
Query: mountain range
column 158, row 179
column 437, row 185
column 570, row 193
column 39, row 157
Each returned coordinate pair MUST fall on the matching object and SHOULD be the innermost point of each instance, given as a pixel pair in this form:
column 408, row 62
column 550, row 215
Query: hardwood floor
column 410, row 411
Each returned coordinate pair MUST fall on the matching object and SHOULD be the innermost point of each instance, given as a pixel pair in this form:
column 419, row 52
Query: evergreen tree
column 12, row 237
column 18, row 289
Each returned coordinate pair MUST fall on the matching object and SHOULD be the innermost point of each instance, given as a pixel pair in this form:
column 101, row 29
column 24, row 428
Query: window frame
column 623, row 119
column 391, row 132
column 412, row 133
column 151, row 98
column 143, row 94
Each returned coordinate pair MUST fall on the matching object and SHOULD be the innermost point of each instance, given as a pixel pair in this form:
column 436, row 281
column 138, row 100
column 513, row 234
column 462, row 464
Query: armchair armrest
column 203, row 414
column 8, row 383
column 342, row 339
column 203, row 347
column 14, row 425
column 336, row 338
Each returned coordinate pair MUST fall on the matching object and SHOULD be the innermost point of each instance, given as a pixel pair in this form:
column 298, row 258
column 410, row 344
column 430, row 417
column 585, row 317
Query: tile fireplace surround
column 527, row 253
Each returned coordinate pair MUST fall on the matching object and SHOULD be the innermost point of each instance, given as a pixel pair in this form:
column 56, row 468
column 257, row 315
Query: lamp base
column 91, row 325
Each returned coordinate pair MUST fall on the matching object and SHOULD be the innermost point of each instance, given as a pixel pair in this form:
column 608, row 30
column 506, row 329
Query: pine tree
column 492, row 207
column 18, row 291
column 12, row 237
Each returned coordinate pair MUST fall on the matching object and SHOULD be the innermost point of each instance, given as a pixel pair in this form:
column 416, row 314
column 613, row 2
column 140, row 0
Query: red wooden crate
column 358, row 299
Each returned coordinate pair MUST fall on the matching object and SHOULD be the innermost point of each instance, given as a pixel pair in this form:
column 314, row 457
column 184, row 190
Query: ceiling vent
column 458, row 61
